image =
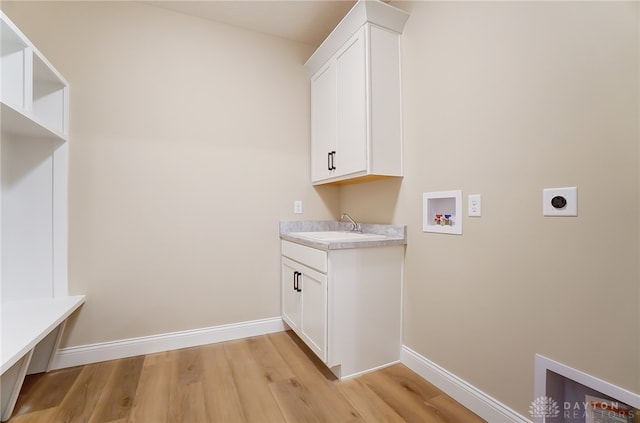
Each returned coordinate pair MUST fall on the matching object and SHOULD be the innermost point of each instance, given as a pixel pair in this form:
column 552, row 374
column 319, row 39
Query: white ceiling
column 307, row 21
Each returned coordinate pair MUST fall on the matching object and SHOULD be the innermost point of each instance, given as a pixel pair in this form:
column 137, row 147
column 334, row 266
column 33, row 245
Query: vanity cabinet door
column 291, row 298
column 314, row 312
column 304, row 304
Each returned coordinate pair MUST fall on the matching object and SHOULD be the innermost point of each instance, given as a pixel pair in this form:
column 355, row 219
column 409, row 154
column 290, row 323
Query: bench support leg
column 45, row 351
column 38, row 360
column 12, row 381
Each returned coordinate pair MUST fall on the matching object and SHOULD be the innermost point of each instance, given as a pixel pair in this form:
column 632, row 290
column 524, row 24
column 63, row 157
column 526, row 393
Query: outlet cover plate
column 570, row 195
column 474, row 202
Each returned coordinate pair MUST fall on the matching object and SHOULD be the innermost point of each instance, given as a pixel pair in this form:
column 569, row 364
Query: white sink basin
column 338, row 236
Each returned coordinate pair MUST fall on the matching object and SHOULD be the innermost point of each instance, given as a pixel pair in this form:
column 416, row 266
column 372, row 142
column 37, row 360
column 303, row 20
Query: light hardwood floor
column 265, row 379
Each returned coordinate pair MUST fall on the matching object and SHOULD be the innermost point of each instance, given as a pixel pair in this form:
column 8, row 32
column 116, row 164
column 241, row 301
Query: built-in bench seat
column 31, row 332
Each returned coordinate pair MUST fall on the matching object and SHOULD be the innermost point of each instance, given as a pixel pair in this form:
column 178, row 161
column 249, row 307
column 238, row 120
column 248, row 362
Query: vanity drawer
column 311, row 257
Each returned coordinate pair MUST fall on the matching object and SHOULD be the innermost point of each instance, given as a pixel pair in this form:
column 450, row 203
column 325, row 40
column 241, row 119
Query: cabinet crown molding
column 364, row 11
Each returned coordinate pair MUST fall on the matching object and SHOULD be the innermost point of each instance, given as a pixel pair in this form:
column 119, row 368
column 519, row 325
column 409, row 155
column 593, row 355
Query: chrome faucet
column 354, row 225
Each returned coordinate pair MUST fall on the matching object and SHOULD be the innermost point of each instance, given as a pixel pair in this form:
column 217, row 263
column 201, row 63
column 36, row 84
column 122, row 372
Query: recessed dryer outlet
column 560, row 201
column 442, row 212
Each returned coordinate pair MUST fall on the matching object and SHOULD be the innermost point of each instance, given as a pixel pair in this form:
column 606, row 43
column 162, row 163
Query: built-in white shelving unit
column 33, row 210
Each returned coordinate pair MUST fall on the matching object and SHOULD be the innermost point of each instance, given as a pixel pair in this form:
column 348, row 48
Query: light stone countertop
column 393, row 234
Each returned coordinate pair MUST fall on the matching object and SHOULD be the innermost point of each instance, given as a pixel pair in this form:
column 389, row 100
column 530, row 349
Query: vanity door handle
column 296, row 283
column 333, row 158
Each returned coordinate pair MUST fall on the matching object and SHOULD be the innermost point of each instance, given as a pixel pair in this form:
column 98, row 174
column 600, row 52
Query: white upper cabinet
column 356, row 122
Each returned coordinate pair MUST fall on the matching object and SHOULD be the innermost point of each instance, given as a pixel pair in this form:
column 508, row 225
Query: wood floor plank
column 186, row 394
column 38, row 416
column 274, row 366
column 302, row 348
column 117, row 399
column 151, row 402
column 452, row 410
column 189, row 404
column 81, row 400
column 257, row 401
column 318, row 391
column 411, row 382
column 186, row 365
column 295, row 401
column 300, row 359
column 370, row 406
column 221, row 396
column 158, row 358
column 406, row 396
column 39, row 392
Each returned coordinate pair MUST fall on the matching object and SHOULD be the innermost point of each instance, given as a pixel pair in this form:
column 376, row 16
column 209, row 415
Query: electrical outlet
column 560, row 201
column 475, row 205
column 297, row 207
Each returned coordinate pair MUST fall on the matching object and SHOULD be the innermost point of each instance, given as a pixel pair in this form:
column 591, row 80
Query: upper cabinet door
column 351, row 145
column 323, row 122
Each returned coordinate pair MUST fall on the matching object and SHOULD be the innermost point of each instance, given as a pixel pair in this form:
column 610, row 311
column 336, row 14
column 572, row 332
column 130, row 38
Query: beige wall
column 504, row 99
column 189, row 142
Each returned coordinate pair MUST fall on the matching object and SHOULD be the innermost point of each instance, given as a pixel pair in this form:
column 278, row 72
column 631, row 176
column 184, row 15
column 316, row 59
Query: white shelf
column 30, row 85
column 13, row 50
column 27, row 322
column 23, row 124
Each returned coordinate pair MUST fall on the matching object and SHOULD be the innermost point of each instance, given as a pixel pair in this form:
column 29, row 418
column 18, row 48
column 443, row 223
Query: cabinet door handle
column 295, row 281
column 333, row 159
column 329, row 160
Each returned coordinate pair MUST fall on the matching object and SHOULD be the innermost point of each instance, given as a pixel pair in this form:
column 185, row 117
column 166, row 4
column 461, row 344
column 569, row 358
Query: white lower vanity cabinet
column 345, row 304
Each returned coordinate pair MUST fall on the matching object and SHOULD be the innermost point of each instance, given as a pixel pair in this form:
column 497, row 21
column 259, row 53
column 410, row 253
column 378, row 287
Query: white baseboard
column 466, row 394
column 86, row 354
